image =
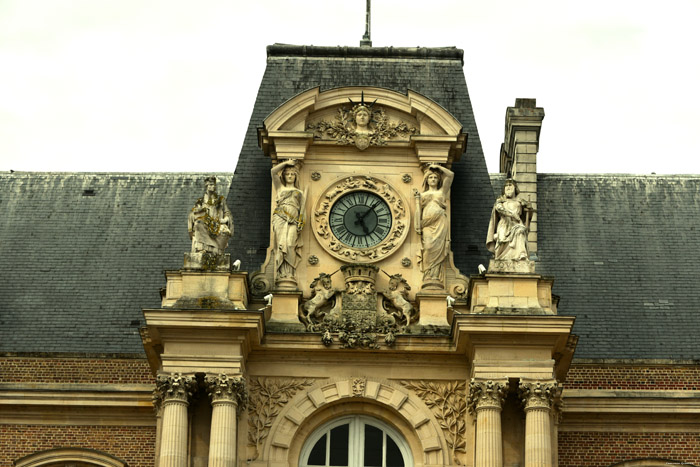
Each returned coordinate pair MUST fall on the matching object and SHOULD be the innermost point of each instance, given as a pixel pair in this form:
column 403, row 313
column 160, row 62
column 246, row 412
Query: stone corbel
column 439, row 149
column 285, row 144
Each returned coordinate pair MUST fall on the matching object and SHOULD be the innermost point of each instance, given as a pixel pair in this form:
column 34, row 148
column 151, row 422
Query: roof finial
column 366, row 41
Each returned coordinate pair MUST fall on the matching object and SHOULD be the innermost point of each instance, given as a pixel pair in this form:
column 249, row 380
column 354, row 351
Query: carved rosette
column 222, row 387
column 267, row 398
column 335, row 247
column 173, row 387
column 447, row 402
column 486, row 394
column 539, row 394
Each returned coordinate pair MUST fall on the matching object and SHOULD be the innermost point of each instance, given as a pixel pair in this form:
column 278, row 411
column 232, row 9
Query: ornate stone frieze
column 447, row 401
column 224, row 387
column 173, row 386
column 267, row 396
column 355, row 319
column 487, row 393
column 362, row 125
column 362, row 185
column 539, row 394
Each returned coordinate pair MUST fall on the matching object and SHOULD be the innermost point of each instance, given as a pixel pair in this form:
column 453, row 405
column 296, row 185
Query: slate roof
column 77, row 268
column 624, row 251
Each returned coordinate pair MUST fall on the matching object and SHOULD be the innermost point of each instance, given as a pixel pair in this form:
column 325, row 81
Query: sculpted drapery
column 432, row 223
column 209, row 222
column 508, row 227
column 287, row 219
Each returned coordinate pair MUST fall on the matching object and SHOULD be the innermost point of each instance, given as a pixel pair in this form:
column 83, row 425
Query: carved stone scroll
column 447, row 401
column 267, row 397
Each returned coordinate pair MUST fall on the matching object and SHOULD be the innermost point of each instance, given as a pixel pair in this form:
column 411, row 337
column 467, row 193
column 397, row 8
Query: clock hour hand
column 361, row 222
column 360, row 218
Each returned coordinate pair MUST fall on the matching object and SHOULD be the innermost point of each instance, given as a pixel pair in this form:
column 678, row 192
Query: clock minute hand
column 371, row 208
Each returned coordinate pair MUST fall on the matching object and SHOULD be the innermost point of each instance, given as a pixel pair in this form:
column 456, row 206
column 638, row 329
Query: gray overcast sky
column 138, row 85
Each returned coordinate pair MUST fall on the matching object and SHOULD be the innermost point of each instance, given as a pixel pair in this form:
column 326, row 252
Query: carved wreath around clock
column 360, row 218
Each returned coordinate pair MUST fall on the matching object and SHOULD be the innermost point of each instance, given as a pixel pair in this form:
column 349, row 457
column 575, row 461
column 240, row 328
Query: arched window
column 356, row 441
column 69, row 457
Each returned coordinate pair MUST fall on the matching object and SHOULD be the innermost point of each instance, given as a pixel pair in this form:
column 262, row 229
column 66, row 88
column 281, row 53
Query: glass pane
column 393, row 455
column 318, row 453
column 339, row 445
column 373, row 446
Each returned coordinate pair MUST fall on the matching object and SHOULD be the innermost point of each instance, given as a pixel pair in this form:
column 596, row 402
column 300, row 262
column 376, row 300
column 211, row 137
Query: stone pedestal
column 206, row 289
column 205, row 261
column 538, row 397
column 486, row 400
column 432, row 308
column 285, row 308
column 173, row 392
column 511, row 293
column 226, row 394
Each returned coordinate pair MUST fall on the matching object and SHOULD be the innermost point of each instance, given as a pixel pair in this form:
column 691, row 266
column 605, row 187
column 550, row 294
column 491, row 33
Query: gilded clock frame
column 397, row 205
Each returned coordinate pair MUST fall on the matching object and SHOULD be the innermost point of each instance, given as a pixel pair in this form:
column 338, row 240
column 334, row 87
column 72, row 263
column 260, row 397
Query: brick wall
column 634, row 377
column 74, row 370
column 134, row 445
column 602, row 449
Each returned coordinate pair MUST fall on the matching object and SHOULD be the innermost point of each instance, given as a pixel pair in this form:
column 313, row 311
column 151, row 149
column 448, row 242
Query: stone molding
column 173, row 387
column 222, row 387
column 539, row 394
column 68, row 456
column 486, row 394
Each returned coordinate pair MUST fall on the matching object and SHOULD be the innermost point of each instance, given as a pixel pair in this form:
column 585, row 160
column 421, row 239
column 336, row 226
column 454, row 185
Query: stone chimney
column 519, row 155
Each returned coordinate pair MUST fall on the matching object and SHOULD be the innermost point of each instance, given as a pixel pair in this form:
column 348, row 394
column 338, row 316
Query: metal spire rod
column 366, row 40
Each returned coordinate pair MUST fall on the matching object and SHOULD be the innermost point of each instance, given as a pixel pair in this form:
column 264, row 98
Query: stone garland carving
column 447, row 400
column 508, row 230
column 326, row 238
column 432, row 224
column 486, row 393
column 539, row 394
column 210, row 225
column 224, row 387
column 362, row 125
column 287, row 222
column 267, row 396
column 355, row 319
column 173, row 386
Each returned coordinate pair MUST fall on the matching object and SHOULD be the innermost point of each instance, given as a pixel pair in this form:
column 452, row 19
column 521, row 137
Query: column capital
column 539, row 394
column 222, row 387
column 173, row 387
column 486, row 393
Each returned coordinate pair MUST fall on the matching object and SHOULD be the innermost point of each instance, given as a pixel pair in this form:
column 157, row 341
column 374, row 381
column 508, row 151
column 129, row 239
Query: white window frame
column 356, row 439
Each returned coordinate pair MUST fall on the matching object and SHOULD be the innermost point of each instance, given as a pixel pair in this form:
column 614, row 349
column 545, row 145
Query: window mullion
column 328, row 448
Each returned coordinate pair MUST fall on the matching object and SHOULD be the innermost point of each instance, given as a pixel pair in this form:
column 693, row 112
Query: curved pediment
column 363, row 117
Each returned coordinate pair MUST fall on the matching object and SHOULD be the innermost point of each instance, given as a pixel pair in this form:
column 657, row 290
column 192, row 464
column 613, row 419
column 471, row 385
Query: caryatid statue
column 287, row 222
column 433, row 225
column 209, row 223
column 509, row 225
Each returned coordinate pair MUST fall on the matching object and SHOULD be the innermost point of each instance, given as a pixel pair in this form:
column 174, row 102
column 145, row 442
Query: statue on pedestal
column 432, row 223
column 209, row 222
column 287, row 222
column 509, row 225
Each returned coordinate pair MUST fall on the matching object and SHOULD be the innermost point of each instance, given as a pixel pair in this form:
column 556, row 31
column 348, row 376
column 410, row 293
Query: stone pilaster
column 228, row 395
column 486, row 400
column 172, row 397
column 538, row 398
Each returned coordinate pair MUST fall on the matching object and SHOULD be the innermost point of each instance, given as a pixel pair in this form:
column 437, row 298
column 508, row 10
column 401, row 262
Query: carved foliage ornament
column 267, row 397
column 173, row 386
column 362, row 125
column 447, row 401
column 226, row 388
column 486, row 394
column 335, row 247
column 539, row 394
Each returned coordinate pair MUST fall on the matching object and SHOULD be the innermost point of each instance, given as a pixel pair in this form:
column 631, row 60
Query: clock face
column 360, row 219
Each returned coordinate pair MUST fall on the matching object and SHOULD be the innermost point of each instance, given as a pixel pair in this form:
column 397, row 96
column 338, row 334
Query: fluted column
column 538, row 397
column 172, row 394
column 228, row 395
column 486, row 400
